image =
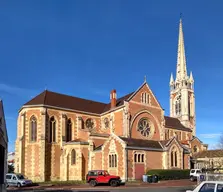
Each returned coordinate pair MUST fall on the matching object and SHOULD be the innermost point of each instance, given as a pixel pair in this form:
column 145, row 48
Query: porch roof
column 141, row 143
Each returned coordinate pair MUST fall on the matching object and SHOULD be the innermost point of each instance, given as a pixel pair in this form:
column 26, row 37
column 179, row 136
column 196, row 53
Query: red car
column 95, row 177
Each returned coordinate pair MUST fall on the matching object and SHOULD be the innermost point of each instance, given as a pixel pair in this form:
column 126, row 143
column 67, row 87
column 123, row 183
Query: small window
column 14, row 178
column 207, row 187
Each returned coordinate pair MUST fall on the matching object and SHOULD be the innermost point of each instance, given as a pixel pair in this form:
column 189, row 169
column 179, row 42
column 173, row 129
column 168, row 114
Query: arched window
column 33, row 129
column 135, row 158
column 142, row 158
column 195, row 149
column 175, row 159
column 178, row 105
column 145, row 98
column 52, row 130
column 139, row 157
column 69, row 130
column 73, row 157
column 171, row 159
column 113, row 160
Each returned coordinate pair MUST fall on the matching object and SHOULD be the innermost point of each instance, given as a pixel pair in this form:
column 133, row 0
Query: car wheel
column 19, row 185
column 114, row 183
column 192, row 178
column 93, row 183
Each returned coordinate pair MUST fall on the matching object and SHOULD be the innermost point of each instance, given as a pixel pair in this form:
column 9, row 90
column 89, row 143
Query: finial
column 180, row 15
column 145, row 78
column 45, row 88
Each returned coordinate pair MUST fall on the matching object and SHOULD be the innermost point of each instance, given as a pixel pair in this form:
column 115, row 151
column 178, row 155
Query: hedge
column 170, row 174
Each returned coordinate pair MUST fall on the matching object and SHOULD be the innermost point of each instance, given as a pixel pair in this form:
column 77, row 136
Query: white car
column 194, row 174
column 17, row 180
column 209, row 186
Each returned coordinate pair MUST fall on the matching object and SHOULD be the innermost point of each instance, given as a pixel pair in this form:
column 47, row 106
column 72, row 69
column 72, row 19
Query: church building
column 61, row 137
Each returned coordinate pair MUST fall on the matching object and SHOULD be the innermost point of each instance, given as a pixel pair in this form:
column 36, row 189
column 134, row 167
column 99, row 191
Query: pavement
column 174, row 185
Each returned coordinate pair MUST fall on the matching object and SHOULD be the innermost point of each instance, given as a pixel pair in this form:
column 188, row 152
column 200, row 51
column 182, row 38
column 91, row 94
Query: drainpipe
column 126, row 169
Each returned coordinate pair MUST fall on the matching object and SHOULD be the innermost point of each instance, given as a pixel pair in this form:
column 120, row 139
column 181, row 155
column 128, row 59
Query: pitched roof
column 75, row 103
column 174, row 123
column 132, row 142
column 209, row 154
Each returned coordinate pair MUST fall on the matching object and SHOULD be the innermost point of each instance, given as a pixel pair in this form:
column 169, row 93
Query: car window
column 92, row 173
column 8, row 176
column 207, row 187
column 220, row 188
column 14, row 178
column 192, row 171
column 198, row 171
column 20, row 177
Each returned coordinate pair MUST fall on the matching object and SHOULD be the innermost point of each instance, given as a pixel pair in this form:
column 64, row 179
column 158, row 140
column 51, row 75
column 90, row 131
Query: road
column 145, row 189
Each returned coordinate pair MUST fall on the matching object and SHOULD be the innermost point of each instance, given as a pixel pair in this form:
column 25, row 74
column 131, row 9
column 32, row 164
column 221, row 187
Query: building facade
column 3, row 148
column 60, row 137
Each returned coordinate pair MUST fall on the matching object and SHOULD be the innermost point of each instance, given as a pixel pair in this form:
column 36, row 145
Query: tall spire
column 181, row 72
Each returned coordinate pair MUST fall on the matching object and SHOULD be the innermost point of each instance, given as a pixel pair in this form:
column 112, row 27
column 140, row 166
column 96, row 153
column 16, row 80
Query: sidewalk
column 161, row 184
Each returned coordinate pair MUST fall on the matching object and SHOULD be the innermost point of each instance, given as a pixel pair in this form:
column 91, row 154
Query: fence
column 209, row 177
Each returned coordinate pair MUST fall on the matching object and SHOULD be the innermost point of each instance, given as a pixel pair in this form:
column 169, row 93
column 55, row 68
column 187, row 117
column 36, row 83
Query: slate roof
column 75, row 103
column 209, row 154
column 132, row 142
column 174, row 123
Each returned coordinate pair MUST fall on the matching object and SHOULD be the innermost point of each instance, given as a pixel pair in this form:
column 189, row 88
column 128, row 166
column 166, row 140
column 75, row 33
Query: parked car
column 95, row 177
column 17, row 180
column 194, row 174
column 208, row 186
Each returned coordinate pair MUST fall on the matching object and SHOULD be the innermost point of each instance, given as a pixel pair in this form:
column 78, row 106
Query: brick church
column 61, row 137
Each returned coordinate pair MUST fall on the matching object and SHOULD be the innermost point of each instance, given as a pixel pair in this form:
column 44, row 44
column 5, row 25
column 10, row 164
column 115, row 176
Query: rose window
column 89, row 123
column 144, row 127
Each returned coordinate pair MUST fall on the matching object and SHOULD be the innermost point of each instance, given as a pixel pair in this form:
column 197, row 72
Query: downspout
column 126, row 169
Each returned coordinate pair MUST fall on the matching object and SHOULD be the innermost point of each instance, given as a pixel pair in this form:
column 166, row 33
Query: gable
column 145, row 96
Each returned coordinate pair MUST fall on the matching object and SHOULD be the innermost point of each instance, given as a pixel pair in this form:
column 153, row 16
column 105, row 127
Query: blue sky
column 86, row 48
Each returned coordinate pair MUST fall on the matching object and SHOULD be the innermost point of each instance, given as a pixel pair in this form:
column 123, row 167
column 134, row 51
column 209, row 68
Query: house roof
column 132, row 142
column 74, row 103
column 209, row 154
column 174, row 123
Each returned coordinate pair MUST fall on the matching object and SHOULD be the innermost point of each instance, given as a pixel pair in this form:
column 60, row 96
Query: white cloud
column 210, row 135
column 13, row 90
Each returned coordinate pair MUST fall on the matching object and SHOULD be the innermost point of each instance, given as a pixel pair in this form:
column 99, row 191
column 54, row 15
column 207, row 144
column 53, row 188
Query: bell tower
column 182, row 100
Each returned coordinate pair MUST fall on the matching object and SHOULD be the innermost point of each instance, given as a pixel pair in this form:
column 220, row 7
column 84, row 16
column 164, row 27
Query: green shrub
column 170, row 174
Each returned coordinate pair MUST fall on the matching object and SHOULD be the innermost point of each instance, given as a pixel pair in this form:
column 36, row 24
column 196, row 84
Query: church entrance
column 2, row 164
column 139, row 171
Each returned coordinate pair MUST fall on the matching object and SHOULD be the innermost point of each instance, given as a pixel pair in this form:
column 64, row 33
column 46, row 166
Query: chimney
column 113, row 98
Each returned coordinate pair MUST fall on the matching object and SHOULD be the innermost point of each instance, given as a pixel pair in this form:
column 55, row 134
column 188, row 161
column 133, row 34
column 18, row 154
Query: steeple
column 181, row 72
column 171, row 79
column 182, row 99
